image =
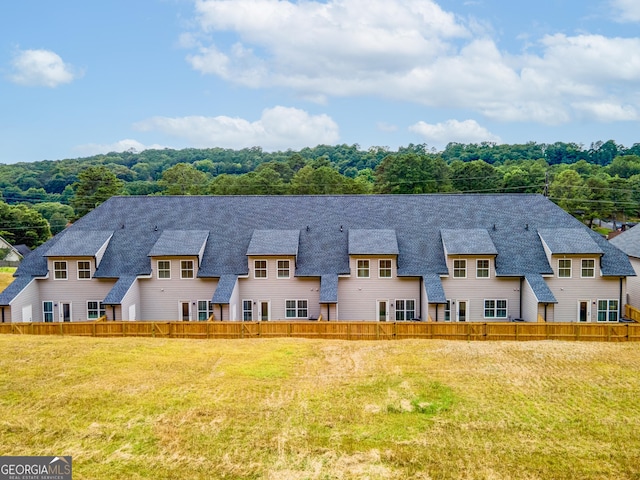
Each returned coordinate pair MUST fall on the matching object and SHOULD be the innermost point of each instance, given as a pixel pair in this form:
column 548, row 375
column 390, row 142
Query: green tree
column 94, row 186
column 184, row 179
column 476, row 176
column 412, row 173
column 569, row 192
column 20, row 224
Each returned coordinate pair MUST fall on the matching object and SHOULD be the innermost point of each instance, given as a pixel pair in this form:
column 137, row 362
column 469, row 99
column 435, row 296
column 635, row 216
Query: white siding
column 236, row 302
column 529, row 303
column 130, row 304
column 28, row 296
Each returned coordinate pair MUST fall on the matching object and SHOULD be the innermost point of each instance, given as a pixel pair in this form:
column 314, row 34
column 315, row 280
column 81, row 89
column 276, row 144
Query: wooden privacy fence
column 613, row 332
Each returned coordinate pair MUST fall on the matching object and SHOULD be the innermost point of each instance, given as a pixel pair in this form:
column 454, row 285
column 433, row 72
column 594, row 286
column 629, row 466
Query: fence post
column 93, row 329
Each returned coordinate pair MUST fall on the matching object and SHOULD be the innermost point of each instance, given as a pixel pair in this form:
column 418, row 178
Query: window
column 164, row 269
column 495, row 309
column 405, row 309
column 384, row 269
column 247, row 310
column 363, row 268
column 459, row 269
column 564, row 268
column 607, row 310
column 588, row 268
column 296, row 309
column 283, row 268
column 447, row 311
column 47, row 311
column 482, row 268
column 205, row 310
column 260, row 269
column 84, row 270
column 60, row 270
column 186, row 269
column 95, row 310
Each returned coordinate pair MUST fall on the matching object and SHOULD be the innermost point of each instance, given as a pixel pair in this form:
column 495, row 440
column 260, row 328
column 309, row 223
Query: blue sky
column 80, row 77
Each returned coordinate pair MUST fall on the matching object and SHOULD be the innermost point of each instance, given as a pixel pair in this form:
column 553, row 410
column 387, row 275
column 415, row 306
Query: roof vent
column 494, row 226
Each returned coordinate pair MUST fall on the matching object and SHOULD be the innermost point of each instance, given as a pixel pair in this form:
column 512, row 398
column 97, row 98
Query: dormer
column 571, row 252
column 462, row 246
column 186, row 245
column 367, row 246
column 278, row 245
column 85, row 247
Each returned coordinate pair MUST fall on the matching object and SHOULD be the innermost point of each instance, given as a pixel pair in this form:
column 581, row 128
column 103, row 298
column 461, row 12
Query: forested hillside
column 602, row 181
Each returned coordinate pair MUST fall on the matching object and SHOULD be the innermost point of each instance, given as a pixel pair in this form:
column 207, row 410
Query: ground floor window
column 495, row 309
column 607, row 310
column 405, row 309
column 47, row 311
column 205, row 310
column 247, row 310
column 95, row 310
column 297, row 309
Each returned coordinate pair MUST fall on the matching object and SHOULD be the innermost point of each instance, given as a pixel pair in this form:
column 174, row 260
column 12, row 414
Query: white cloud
column 413, row 50
column 628, row 10
column 278, row 128
column 467, row 131
column 41, row 68
column 121, row 146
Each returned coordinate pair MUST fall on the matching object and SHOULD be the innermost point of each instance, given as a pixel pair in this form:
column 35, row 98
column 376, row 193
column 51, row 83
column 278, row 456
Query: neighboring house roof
column 468, row 242
column 373, row 242
column 22, row 249
column 13, row 254
column 567, row 241
column 178, row 243
column 628, row 241
column 138, row 223
column 74, row 243
column 274, row 242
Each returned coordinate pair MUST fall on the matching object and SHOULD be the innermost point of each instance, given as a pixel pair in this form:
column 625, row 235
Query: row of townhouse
column 466, row 258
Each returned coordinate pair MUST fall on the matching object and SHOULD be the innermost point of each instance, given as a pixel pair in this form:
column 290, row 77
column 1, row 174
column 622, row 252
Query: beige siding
column 569, row 291
column 29, row 296
column 358, row 297
column 476, row 290
column 234, row 311
column 277, row 290
column 131, row 303
column 161, row 298
column 633, row 285
column 530, row 309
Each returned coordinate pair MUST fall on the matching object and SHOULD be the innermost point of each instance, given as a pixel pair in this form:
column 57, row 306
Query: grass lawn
column 6, row 276
column 128, row 408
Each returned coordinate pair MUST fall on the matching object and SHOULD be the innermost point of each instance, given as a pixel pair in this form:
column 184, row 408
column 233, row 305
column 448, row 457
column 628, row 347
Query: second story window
column 283, row 268
column 84, row 270
column 459, row 269
column 186, row 269
column 588, row 268
column 164, row 269
column 260, row 269
column 482, row 269
column 564, row 268
column 60, row 270
column 384, row 269
column 363, row 269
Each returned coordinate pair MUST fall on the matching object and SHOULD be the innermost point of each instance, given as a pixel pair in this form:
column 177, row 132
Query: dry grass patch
column 6, row 277
column 318, row 409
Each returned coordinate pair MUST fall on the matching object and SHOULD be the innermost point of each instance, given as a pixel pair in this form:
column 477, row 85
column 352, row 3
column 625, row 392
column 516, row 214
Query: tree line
column 602, row 181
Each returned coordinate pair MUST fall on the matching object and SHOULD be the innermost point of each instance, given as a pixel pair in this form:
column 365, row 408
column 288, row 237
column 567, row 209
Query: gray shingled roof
column 628, row 241
column 433, row 287
column 179, row 243
column 323, row 248
column 274, row 242
column 470, row 241
column 224, row 290
column 373, row 242
column 77, row 243
column 14, row 288
column 540, row 288
column 119, row 290
column 567, row 241
column 329, row 289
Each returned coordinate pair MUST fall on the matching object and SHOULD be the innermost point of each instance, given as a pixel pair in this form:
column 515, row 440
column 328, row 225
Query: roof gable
column 80, row 243
column 373, row 242
column 568, row 241
column 274, row 242
column 180, row 243
column 468, row 242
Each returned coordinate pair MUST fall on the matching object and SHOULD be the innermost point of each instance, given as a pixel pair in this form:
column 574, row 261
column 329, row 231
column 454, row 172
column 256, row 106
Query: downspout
column 328, row 312
column 2, row 314
column 521, row 281
column 113, row 311
column 620, row 303
column 420, row 299
column 220, row 312
column 437, row 305
column 545, row 312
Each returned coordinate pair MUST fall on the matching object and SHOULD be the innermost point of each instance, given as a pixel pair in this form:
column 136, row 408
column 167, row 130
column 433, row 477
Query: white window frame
column 83, row 270
column 459, row 266
column 207, row 310
column 60, row 270
column 99, row 310
column 247, row 310
column 282, row 269
column 186, row 272
column 385, row 269
column 447, row 311
column 565, row 268
column 299, row 308
column 608, row 311
column 403, row 311
column 483, row 269
column 583, row 268
column 260, row 269
column 46, row 311
column 363, row 265
column 163, row 269
column 495, row 308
